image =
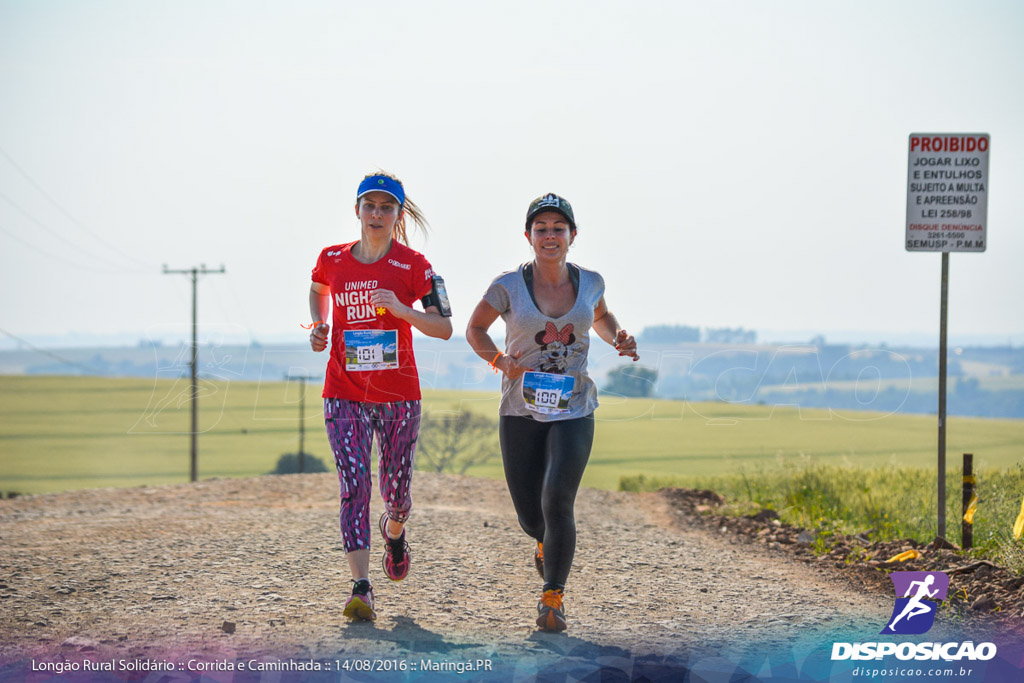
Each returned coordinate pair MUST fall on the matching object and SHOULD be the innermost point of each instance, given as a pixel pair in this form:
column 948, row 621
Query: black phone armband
column 438, row 296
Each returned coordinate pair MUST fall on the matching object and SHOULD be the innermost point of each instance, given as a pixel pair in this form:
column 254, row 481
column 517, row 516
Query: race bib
column 371, row 350
column 547, row 393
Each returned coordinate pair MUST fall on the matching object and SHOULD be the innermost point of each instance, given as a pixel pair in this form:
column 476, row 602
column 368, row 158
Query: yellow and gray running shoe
column 360, row 605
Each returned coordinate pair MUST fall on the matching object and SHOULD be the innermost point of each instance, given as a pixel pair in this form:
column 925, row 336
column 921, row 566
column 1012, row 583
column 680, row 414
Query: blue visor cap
column 382, row 183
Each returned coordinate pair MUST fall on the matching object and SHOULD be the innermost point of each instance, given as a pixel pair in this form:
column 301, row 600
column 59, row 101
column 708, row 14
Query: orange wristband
column 311, row 325
column 491, row 362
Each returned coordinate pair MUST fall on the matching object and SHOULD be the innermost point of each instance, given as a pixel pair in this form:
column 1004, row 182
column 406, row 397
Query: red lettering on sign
column 949, row 144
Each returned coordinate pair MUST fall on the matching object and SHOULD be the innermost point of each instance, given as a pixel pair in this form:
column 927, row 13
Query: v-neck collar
column 574, row 278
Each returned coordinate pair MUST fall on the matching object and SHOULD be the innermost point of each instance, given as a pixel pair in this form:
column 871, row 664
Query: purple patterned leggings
column 350, row 429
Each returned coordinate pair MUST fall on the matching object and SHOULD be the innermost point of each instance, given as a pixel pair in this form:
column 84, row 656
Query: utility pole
column 195, row 273
column 302, row 418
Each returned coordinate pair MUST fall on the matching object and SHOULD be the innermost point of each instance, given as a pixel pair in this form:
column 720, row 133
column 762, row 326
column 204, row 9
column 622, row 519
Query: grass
column 59, row 433
column 927, row 385
column 672, row 438
column 848, row 471
column 891, row 502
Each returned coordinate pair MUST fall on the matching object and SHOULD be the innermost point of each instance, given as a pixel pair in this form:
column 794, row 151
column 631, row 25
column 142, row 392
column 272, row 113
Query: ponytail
column 409, row 209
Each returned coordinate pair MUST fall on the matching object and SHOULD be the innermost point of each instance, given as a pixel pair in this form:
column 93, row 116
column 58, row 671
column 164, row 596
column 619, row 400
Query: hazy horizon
column 124, row 339
column 730, row 165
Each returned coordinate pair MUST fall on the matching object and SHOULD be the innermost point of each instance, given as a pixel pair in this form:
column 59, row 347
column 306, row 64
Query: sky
column 738, row 164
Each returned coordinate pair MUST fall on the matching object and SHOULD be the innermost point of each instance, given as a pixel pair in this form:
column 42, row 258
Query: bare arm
column 480, row 321
column 319, row 309
column 430, row 321
column 607, row 328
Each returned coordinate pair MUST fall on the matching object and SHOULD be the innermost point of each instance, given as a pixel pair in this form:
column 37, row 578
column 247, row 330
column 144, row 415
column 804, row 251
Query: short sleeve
column 319, row 272
column 600, row 286
column 497, row 296
column 422, row 275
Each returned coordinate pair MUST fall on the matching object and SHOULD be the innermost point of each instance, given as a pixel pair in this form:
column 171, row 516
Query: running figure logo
column 917, row 598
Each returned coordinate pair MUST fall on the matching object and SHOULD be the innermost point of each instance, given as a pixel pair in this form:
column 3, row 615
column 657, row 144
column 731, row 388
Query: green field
column 926, row 385
column 60, row 433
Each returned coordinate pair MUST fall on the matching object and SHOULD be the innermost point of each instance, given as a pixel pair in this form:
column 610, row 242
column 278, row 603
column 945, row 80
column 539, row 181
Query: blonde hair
column 408, row 208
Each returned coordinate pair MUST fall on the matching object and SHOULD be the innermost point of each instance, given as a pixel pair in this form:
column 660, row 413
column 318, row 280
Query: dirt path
column 150, row 573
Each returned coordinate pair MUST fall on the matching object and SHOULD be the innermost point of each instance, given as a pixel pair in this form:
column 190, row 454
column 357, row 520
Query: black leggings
column 544, row 464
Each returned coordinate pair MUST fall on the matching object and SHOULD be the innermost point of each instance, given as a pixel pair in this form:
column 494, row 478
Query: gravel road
column 241, row 568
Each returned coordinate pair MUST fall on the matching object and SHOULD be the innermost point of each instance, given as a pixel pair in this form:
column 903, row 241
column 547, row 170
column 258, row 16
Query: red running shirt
column 405, row 272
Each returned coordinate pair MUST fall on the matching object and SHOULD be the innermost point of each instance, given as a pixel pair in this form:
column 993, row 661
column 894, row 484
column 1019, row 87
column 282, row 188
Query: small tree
column 454, row 443
column 630, row 380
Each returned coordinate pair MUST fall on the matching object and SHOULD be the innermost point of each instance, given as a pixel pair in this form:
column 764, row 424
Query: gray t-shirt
column 559, row 387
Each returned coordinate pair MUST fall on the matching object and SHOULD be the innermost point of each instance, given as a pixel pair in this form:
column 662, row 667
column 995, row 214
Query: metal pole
column 194, row 459
column 302, row 426
column 967, row 528
column 942, row 396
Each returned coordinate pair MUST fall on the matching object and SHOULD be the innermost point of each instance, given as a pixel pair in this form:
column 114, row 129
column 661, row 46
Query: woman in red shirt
column 372, row 386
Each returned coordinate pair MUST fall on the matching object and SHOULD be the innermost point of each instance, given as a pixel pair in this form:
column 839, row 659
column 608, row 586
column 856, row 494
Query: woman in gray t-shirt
column 546, row 417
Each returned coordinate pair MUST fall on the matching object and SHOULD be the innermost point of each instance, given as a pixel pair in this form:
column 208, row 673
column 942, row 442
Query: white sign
column 947, row 191
column 370, row 354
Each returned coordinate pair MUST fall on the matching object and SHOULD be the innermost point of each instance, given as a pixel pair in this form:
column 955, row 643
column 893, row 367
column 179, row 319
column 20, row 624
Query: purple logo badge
column 917, row 597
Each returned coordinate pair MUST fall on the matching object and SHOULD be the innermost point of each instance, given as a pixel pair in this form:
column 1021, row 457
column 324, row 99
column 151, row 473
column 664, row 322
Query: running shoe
column 538, row 559
column 550, row 613
column 360, row 605
column 396, row 552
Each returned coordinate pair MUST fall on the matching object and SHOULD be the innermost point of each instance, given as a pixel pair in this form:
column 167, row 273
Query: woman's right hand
column 318, row 337
column 510, row 365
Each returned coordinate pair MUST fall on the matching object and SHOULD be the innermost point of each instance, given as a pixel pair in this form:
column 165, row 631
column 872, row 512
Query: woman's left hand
column 387, row 299
column 625, row 344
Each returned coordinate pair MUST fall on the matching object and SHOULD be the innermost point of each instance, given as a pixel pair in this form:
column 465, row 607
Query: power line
column 35, row 348
column 67, row 214
column 230, row 316
column 225, row 409
column 48, row 255
column 241, row 310
column 57, row 235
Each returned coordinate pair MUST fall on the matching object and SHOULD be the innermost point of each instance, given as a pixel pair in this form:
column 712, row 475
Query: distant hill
column 983, row 381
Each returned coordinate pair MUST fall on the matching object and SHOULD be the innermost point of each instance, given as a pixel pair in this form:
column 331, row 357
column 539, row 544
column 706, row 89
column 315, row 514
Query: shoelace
column 552, row 599
column 397, row 547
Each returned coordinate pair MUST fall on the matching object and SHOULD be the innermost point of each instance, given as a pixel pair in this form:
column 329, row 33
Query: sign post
column 947, row 210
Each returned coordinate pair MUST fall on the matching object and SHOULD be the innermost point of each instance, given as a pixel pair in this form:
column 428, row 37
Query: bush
column 289, row 464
